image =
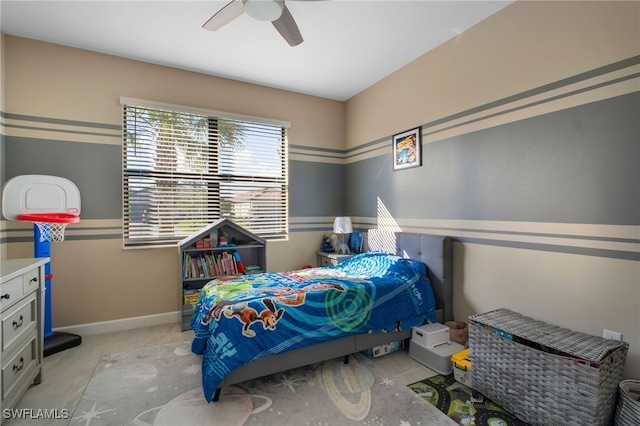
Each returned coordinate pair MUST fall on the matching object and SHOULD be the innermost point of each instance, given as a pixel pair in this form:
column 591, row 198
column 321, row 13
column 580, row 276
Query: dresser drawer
column 31, row 281
column 16, row 367
column 10, row 292
column 19, row 320
column 330, row 259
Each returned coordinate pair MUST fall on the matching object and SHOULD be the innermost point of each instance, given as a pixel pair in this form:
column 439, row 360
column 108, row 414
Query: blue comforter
column 240, row 319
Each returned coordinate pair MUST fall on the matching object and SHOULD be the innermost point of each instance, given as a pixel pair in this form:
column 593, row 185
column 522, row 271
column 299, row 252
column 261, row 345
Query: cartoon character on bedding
column 249, row 316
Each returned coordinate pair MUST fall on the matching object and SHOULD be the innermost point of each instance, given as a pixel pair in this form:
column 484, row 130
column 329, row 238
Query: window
column 184, row 168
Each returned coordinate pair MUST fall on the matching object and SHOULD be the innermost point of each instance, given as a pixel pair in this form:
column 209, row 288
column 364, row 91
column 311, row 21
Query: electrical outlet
column 613, row 335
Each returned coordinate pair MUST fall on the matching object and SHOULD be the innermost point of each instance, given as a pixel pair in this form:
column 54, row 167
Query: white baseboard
column 121, row 324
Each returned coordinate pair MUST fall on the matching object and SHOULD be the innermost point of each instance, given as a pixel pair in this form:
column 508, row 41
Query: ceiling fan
column 274, row 11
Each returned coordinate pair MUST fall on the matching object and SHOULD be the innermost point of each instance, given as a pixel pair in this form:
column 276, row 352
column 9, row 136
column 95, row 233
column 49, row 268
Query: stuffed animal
column 326, row 245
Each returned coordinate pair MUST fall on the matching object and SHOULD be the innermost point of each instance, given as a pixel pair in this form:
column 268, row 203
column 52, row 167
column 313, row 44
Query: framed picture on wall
column 407, row 147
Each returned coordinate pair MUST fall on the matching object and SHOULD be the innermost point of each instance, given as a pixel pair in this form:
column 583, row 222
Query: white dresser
column 22, row 284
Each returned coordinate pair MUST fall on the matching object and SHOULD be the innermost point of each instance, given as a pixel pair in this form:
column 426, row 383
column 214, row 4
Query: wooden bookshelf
column 222, row 248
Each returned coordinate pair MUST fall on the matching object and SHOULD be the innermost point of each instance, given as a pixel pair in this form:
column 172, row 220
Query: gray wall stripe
column 542, row 89
column 532, row 104
column 351, row 151
column 314, row 155
column 49, row 129
column 61, row 121
column 453, row 231
column 91, row 237
column 315, row 148
column 553, row 248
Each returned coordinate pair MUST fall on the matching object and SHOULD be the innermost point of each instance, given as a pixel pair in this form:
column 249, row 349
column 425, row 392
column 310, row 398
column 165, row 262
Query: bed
column 256, row 325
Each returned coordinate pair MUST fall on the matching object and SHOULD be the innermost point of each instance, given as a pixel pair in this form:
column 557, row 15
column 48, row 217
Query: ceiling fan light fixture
column 264, row 10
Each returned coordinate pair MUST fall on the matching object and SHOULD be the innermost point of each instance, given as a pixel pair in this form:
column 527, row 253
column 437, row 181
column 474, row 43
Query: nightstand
column 328, row 259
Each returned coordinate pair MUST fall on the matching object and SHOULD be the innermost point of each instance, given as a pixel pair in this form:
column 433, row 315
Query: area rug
column 162, row 386
column 461, row 404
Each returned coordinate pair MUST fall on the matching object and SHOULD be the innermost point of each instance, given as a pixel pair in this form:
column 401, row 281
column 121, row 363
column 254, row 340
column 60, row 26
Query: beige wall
column 86, row 86
column 525, row 46
column 96, row 280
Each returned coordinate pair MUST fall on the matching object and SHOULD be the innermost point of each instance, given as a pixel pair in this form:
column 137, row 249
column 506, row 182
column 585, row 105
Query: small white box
column 437, row 358
column 430, row 335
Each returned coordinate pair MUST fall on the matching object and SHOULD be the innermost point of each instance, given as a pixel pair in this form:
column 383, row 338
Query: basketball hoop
column 51, row 225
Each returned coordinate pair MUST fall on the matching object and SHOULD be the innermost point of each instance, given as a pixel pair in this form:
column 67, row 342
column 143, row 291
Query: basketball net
column 50, row 231
column 50, row 225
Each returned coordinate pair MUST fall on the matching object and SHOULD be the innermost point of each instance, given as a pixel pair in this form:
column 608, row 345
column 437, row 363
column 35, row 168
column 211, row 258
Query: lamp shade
column 342, row 225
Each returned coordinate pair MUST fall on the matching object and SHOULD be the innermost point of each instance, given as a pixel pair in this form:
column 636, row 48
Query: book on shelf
column 191, row 296
column 186, row 263
column 206, row 264
column 194, row 268
column 239, row 264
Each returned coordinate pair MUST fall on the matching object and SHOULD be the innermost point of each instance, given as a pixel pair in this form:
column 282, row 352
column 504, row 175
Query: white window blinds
column 183, row 170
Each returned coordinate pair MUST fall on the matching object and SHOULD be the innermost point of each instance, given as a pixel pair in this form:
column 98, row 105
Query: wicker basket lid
column 562, row 341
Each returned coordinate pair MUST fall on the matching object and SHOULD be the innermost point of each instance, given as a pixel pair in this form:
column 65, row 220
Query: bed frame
column 435, row 251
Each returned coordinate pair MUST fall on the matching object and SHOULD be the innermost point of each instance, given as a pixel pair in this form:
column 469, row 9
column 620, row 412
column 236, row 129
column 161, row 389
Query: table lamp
column 342, row 225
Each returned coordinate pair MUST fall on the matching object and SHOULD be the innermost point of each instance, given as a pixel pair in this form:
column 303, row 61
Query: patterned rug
column 162, row 386
column 459, row 403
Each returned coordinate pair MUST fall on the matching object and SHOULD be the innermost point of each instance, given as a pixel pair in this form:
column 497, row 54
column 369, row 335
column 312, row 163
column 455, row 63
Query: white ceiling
column 349, row 44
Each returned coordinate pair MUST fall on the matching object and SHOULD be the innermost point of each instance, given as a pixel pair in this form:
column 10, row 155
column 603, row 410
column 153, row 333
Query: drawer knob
column 18, row 324
column 33, row 280
column 19, row 367
column 6, row 296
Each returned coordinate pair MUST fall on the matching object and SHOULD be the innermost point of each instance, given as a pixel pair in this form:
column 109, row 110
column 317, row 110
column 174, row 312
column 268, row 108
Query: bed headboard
column 434, row 250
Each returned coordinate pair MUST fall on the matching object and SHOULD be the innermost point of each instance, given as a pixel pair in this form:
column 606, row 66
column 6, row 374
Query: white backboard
column 39, row 194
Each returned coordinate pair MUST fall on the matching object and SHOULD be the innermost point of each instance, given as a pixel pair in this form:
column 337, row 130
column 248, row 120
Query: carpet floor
column 162, row 386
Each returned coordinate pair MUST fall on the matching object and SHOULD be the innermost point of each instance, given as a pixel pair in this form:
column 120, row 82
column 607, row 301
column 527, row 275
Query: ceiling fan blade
column 288, row 28
column 225, row 15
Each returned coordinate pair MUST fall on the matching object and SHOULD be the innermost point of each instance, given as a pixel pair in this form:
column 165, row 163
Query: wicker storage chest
column 543, row 374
